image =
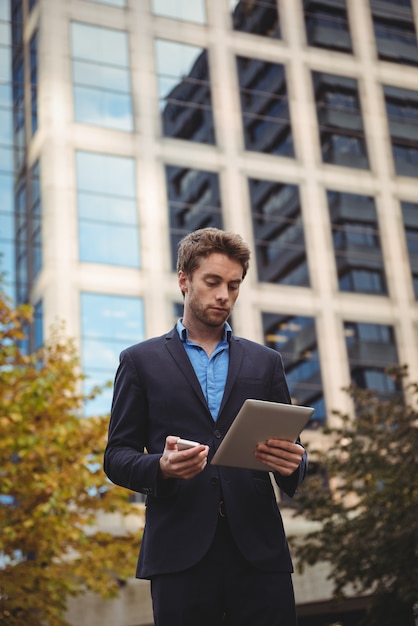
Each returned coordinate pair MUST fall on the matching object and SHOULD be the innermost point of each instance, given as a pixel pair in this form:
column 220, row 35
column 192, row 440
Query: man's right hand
column 185, row 464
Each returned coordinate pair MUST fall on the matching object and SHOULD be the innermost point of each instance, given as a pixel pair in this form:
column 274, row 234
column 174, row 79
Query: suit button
column 217, row 434
column 214, row 481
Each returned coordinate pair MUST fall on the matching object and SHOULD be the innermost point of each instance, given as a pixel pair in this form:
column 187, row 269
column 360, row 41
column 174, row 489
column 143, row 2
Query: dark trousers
column 223, row 590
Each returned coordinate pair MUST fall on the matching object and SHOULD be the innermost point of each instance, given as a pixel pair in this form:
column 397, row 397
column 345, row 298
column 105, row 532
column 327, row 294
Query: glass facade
column 264, row 107
column 194, row 201
column 109, row 323
column 394, row 31
column 259, row 17
column 278, row 233
column 327, row 24
column 181, row 10
column 294, row 336
column 340, row 120
column 101, row 77
column 108, row 229
column 410, row 220
column 356, row 239
column 402, row 115
column 184, row 91
column 371, row 349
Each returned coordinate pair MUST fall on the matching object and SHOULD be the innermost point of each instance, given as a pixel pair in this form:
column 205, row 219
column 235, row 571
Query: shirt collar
column 184, row 333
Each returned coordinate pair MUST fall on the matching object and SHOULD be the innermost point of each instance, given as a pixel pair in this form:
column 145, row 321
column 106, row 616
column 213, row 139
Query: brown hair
column 199, row 244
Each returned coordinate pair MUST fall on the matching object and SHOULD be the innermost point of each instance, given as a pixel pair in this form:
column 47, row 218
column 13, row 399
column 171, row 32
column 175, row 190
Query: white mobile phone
column 185, row 444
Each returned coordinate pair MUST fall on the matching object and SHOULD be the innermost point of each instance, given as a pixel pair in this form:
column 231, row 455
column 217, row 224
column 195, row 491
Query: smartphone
column 185, row 444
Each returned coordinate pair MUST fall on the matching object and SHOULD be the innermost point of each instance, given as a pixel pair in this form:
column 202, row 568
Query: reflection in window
column 184, row 91
column 402, row 113
column 340, row 120
column 278, row 233
column 264, row 107
column 109, row 324
column 194, row 202
column 294, row 336
column 259, row 17
column 394, row 32
column 355, row 234
column 371, row 349
column 327, row 24
column 107, row 209
column 410, row 220
column 102, row 92
column 181, row 10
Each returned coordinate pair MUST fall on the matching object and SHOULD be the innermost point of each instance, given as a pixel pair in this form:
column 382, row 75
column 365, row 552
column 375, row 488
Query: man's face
column 211, row 292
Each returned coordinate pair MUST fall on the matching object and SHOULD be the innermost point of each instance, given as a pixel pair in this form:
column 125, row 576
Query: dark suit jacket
column 157, row 394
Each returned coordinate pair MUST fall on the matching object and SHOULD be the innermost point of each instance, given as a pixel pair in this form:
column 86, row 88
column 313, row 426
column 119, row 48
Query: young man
column 214, row 546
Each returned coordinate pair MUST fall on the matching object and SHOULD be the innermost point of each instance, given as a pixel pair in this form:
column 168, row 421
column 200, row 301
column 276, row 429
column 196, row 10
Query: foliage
column 368, row 518
column 52, row 487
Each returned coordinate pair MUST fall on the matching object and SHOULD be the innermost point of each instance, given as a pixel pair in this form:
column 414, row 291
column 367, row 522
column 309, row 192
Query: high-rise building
column 125, row 124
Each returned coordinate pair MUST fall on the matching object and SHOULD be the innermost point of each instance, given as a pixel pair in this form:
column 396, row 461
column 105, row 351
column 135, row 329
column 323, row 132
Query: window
column 184, row 91
column 327, row 25
column 102, row 91
column 194, row 202
column 410, row 220
column 35, row 223
column 278, row 233
column 181, row 10
column 7, row 229
column 294, row 336
column 371, row 349
column 394, row 32
column 109, row 324
column 19, row 109
column 264, row 107
column 355, row 234
column 33, row 51
column 107, row 209
column 340, row 121
column 21, row 224
column 38, row 331
column 259, row 17
column 402, row 112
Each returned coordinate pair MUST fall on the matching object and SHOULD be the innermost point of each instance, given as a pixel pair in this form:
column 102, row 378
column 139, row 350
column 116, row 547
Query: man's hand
column 280, row 455
column 184, row 464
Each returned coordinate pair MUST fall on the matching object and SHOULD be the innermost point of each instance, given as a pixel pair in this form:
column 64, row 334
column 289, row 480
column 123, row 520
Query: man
column 214, row 546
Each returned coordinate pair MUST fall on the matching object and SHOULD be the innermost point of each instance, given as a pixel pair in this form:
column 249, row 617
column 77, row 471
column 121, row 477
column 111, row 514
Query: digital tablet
column 257, row 421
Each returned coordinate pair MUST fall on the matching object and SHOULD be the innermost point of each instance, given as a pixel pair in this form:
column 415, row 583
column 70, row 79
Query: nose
column 222, row 293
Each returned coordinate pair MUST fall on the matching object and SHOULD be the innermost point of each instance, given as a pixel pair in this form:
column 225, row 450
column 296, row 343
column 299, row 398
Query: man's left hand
column 280, row 455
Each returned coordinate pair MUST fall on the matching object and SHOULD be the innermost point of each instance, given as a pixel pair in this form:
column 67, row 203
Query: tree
column 52, row 486
column 367, row 520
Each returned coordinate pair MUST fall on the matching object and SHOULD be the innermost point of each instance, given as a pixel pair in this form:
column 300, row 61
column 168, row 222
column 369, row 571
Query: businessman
column 214, row 546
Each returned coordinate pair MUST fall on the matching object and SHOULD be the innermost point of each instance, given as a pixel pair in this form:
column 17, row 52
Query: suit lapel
column 175, row 347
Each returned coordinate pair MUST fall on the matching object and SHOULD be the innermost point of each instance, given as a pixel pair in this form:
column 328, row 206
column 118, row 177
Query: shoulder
column 148, row 346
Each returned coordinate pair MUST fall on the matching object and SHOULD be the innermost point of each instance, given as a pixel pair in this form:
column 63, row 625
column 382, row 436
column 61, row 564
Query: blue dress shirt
column 210, row 371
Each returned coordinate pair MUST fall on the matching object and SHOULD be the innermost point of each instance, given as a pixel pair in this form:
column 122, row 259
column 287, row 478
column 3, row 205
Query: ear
column 183, row 282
